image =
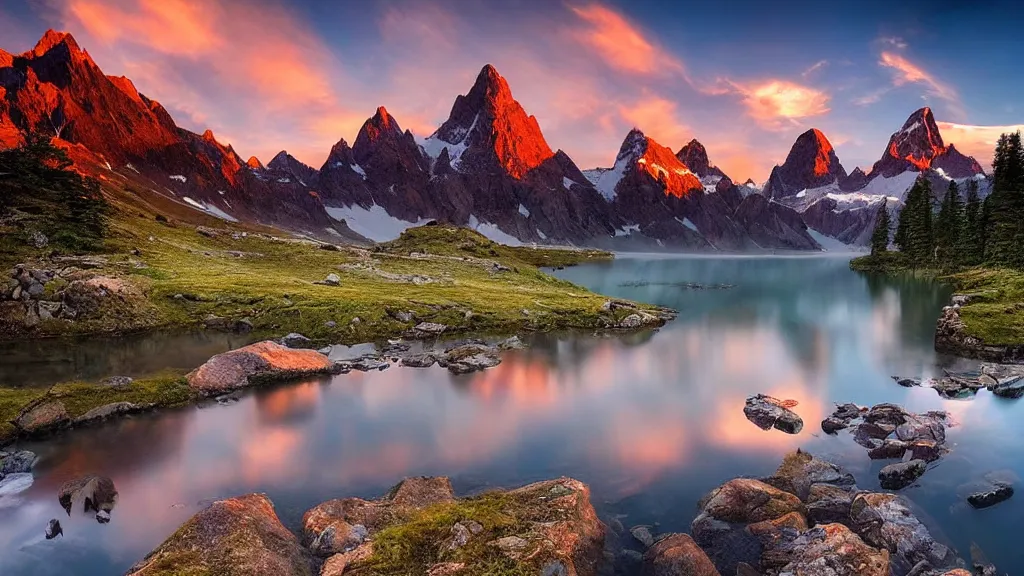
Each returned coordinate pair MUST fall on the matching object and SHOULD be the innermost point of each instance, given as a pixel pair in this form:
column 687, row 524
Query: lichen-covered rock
column 747, row 501
column 677, row 555
column 827, row 550
column 336, row 565
column 767, row 412
column 234, row 537
column 42, row 417
column 829, row 504
column 886, row 521
column 722, row 528
column 95, row 493
column 255, row 364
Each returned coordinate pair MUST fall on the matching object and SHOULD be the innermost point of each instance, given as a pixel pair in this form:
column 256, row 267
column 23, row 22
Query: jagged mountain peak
column 918, row 146
column 658, row 162
column 695, row 157
column 488, row 129
column 254, row 163
column 51, row 39
column 382, row 146
column 811, row 163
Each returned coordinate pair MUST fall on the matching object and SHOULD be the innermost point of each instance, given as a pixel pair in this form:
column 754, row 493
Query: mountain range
column 487, row 167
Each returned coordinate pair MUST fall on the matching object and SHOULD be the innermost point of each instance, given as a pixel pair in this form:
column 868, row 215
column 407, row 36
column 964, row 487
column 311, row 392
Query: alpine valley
column 487, row 167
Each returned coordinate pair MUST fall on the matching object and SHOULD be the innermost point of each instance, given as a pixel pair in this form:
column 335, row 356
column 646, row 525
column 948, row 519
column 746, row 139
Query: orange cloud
column 977, row 141
column 621, row 44
column 906, row 72
column 779, row 104
column 657, row 118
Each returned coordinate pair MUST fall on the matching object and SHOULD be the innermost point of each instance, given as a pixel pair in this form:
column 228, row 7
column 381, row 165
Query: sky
column 745, row 78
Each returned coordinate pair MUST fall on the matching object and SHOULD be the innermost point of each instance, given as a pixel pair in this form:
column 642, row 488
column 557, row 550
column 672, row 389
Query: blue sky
column 744, row 78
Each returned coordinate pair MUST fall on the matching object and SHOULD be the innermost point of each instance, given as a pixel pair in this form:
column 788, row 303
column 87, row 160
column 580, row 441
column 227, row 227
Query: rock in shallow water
column 17, row 463
column 253, row 364
column 53, row 529
column 95, row 493
column 901, row 475
column 677, row 555
column 985, row 499
column 767, row 413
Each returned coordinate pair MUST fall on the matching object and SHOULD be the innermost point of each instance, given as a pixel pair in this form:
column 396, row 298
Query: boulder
column 886, row 521
column 829, row 504
column 95, row 493
column 642, row 535
column 424, row 329
column 831, row 425
column 722, row 527
column 987, row 498
column 42, row 416
column 470, row 358
column 900, row 475
column 233, row 537
column 767, row 413
column 677, row 555
column 336, row 565
column 17, row 463
column 106, row 411
column 256, row 364
column 827, row 550
column 332, row 279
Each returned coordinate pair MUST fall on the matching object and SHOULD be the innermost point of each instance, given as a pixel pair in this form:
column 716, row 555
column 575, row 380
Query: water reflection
column 650, row 422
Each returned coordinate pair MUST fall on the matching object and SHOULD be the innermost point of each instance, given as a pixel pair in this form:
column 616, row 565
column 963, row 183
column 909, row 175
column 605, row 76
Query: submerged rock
column 901, row 475
column 642, row 535
column 677, row 555
column 94, row 493
column 767, row 413
column 255, row 364
column 987, row 498
column 235, row 537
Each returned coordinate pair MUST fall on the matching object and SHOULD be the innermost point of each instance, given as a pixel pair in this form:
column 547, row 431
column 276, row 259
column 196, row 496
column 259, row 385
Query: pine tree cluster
column 40, row 194
column 963, row 233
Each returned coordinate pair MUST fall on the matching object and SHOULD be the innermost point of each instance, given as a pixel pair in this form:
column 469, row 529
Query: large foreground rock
column 827, row 550
column 423, row 528
column 256, row 364
column 235, row 537
column 886, row 521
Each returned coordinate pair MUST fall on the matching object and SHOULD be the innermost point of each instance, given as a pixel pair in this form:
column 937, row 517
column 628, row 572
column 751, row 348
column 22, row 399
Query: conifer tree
column 1005, row 245
column 914, row 235
column 947, row 226
column 970, row 247
column 880, row 236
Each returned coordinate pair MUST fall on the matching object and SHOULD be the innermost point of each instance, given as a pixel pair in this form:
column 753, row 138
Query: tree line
column 955, row 233
column 45, row 203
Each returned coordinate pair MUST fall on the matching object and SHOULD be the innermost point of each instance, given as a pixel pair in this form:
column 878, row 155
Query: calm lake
column 651, row 422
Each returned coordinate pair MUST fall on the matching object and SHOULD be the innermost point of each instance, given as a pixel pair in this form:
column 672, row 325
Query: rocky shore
column 290, row 358
column 808, row 519
column 951, row 337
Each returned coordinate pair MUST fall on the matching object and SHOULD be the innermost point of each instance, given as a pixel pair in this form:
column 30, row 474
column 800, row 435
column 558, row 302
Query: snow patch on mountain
column 359, row 170
column 179, row 178
column 524, row 211
column 434, row 145
column 373, row 223
column 627, row 230
column 688, row 223
column 209, row 209
column 830, row 244
column 492, row 232
column 895, row 187
column 606, row 179
column 567, row 183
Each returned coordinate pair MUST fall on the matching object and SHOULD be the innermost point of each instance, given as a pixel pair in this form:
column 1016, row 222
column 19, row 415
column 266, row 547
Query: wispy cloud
column 894, row 41
column 814, row 68
column 620, row 43
column 906, row 72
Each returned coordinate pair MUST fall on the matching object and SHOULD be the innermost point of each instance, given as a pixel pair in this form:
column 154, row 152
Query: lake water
column 651, row 422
